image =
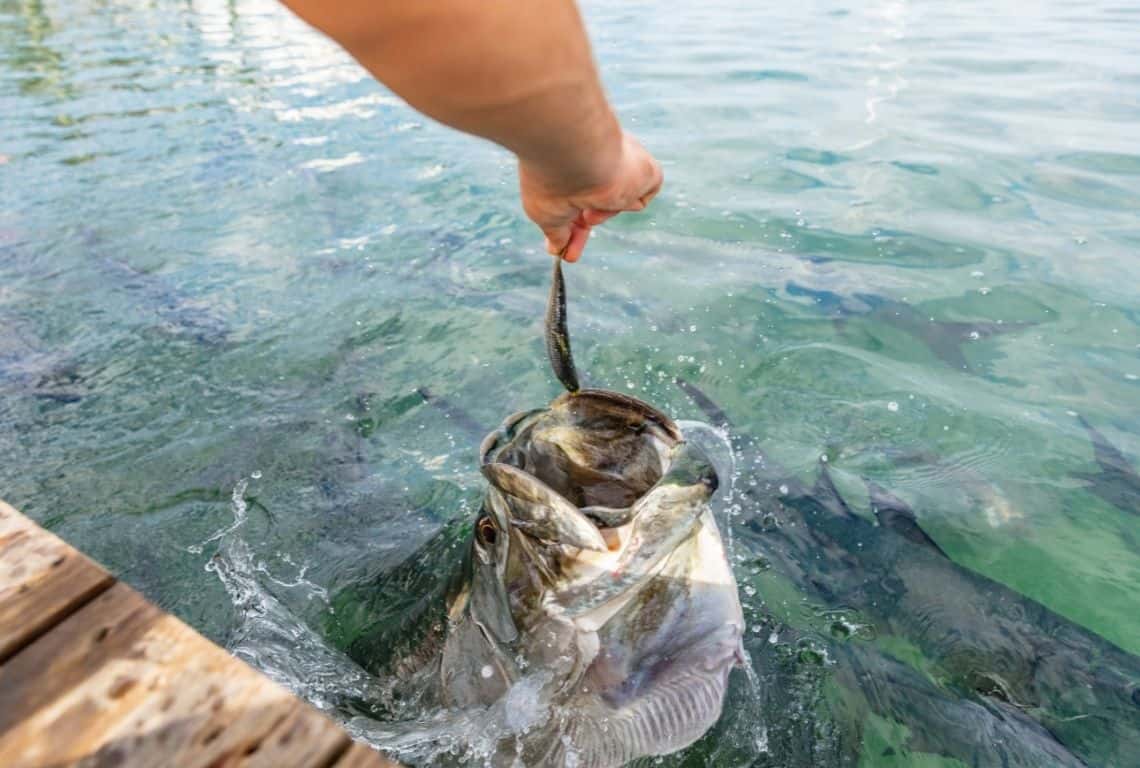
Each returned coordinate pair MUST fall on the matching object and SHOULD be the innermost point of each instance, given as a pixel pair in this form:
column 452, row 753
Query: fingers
column 557, row 239
column 568, row 241
column 566, row 219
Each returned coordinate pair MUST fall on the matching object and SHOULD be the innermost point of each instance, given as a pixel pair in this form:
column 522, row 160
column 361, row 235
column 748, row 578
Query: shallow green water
column 901, row 236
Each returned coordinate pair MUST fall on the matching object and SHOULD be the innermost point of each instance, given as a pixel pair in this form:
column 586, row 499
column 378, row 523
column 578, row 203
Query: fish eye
column 486, row 530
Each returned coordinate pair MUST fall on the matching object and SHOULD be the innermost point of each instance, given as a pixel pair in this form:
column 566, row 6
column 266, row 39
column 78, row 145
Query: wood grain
column 118, row 682
column 42, row 580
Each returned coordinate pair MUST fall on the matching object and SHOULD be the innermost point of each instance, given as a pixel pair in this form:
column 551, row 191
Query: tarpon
column 1116, row 481
column 946, row 339
column 595, row 610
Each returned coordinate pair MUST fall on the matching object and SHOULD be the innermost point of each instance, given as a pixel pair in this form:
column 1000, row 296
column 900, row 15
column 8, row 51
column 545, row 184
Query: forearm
column 518, row 73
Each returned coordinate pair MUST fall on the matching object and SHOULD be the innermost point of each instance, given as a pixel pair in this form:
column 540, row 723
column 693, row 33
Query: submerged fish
column 1116, row 482
column 595, row 610
column 946, row 339
column 1040, row 676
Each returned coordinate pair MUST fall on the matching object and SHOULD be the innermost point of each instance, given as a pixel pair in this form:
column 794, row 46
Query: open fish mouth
column 598, row 450
column 579, row 472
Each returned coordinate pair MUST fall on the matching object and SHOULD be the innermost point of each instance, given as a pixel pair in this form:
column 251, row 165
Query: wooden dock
column 92, row 674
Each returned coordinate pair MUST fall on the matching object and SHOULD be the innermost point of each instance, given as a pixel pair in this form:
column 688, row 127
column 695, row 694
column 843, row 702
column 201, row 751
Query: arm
column 517, row 73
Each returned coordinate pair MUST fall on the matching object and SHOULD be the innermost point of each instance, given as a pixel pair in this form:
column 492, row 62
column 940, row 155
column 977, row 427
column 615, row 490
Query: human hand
column 566, row 216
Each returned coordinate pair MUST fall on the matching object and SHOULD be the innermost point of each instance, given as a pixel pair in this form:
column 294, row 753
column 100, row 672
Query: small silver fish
column 557, row 339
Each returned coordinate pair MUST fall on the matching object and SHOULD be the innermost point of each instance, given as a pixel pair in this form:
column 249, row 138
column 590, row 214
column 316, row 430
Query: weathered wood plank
column 304, row 738
column 92, row 674
column 42, row 581
column 121, row 683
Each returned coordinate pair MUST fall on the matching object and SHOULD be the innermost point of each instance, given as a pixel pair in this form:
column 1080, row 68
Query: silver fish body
column 556, row 336
column 623, row 630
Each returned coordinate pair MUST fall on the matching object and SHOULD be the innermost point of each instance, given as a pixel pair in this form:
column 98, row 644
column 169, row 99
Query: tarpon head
column 590, row 556
column 568, row 483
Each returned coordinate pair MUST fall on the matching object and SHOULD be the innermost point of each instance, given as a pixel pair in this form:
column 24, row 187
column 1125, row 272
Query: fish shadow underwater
column 1003, row 681
column 855, row 316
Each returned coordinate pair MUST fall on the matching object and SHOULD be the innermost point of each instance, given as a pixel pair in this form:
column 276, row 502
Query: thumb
column 579, row 233
column 568, row 240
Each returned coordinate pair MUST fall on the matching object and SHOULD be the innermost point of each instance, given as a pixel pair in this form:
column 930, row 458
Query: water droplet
column 255, row 474
column 761, row 740
column 750, row 590
column 783, row 490
column 892, row 406
column 823, row 458
column 984, row 291
column 812, row 656
column 975, row 335
column 486, row 671
column 774, row 638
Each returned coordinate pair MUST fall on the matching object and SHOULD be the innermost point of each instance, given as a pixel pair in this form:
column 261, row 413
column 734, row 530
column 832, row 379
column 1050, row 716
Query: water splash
column 240, row 510
column 271, row 637
column 717, row 445
column 279, row 643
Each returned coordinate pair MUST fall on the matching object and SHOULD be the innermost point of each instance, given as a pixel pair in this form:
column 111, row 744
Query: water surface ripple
column 897, row 248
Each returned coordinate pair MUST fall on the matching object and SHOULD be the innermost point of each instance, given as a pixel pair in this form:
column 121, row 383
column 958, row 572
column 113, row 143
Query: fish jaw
column 658, row 679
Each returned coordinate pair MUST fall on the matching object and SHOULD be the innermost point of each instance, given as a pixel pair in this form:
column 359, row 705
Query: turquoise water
column 898, row 236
